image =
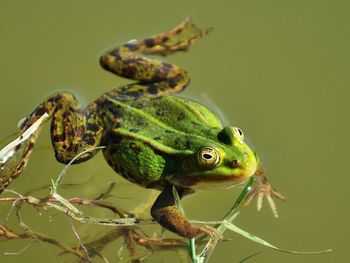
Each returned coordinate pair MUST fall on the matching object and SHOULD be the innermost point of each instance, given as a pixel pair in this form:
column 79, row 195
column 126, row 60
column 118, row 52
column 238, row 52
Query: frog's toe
column 270, row 195
column 264, row 188
column 180, row 38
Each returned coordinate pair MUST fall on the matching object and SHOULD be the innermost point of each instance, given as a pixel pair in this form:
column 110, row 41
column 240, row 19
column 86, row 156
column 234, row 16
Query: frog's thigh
column 73, row 129
column 165, row 212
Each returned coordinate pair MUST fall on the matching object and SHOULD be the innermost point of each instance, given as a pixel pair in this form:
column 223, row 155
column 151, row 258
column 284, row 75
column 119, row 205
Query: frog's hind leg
column 155, row 78
column 73, row 129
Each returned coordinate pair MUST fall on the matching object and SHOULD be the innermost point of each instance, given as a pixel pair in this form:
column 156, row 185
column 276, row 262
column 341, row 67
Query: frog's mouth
column 209, row 180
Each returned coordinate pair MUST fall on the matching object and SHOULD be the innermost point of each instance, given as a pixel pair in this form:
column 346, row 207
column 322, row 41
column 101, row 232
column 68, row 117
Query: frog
column 151, row 136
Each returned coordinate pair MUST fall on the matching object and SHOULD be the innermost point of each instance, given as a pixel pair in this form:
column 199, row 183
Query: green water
column 277, row 69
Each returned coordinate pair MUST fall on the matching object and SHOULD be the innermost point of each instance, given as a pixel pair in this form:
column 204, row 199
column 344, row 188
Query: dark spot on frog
column 235, row 164
column 92, row 127
column 18, row 146
column 65, row 114
column 59, row 137
column 54, row 99
column 152, row 89
column 40, row 111
column 178, row 31
column 53, row 126
column 59, row 107
column 89, row 139
column 159, row 75
column 132, row 46
column 134, row 130
column 172, row 83
column 129, row 71
column 157, row 138
column 165, row 39
column 30, row 146
column 181, row 116
column 149, row 42
column 115, row 53
column 169, row 131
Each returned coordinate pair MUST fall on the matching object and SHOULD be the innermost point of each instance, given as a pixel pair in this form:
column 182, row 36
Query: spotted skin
column 155, row 78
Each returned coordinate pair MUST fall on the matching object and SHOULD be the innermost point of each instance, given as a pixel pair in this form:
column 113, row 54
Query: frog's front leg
column 155, row 78
column 73, row 129
column 165, row 212
column 262, row 188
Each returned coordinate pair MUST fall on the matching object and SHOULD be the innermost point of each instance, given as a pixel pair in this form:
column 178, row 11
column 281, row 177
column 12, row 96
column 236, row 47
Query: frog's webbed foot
column 177, row 39
column 212, row 232
column 263, row 188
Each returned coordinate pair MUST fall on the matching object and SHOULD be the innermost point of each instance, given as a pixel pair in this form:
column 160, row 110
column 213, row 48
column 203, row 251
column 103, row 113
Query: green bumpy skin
column 152, row 139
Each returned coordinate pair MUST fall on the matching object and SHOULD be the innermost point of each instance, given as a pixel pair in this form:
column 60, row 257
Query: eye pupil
column 240, row 132
column 207, row 156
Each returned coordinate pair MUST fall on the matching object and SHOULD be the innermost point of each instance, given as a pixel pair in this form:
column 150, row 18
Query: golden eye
column 238, row 133
column 208, row 157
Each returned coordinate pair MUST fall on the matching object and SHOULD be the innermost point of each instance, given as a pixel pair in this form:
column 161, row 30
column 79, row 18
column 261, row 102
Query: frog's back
column 168, row 120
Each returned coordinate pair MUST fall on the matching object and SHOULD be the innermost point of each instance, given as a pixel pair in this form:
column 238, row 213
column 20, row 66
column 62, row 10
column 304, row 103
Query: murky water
column 278, row 70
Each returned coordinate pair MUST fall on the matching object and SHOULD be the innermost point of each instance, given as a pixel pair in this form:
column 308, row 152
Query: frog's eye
column 238, row 133
column 208, row 157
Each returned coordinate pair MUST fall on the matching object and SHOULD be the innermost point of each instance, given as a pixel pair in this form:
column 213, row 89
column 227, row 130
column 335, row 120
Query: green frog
column 151, row 138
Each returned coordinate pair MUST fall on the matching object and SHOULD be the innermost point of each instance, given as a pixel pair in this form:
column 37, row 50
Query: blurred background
column 277, row 69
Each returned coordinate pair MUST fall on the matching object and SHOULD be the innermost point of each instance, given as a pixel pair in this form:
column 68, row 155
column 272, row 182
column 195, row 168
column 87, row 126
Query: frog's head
column 223, row 163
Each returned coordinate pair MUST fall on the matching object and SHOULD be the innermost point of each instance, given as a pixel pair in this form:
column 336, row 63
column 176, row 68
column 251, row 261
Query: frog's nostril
column 235, row 163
